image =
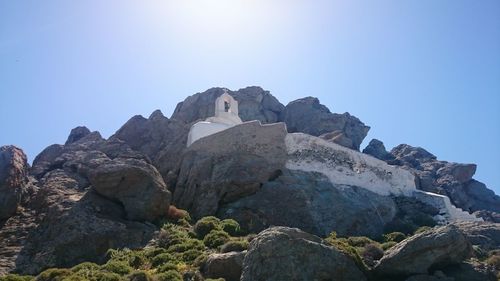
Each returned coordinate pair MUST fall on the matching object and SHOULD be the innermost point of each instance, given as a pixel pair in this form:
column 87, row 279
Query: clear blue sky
column 421, row 72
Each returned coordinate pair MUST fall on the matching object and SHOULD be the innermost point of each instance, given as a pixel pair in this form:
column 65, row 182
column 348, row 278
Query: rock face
column 77, row 134
column 67, row 221
column 135, row 184
column 227, row 266
column 281, row 253
column 254, row 104
column 376, row 149
column 309, row 201
column 161, row 139
column 13, row 178
column 228, row 166
column 451, row 179
column 484, row 234
column 308, row 116
column 436, row 247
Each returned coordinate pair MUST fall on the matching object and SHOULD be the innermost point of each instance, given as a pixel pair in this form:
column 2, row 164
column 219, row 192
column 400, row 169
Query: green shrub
column 162, row 259
column 150, row 253
column 105, row 276
column 54, row 274
column 216, row 238
column 342, row 245
column 167, row 266
column 205, row 225
column 15, row 277
column 359, row 241
column 190, row 255
column 218, row 279
column 387, row 245
column 372, row 251
column 118, row 267
column 422, row 229
column 187, row 244
column 234, row 246
column 86, row 266
column 170, row 275
column 394, row 237
column 231, row 226
column 139, row 276
column 172, row 234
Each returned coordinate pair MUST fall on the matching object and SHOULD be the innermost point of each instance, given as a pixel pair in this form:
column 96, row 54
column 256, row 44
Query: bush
column 54, row 274
column 162, row 259
column 105, row 276
column 422, row 229
column 234, row 246
column 359, row 241
column 86, row 266
column 205, row 225
column 118, row 267
column 167, row 266
column 394, row 237
column 342, row 245
column 139, row 276
column 231, row 226
column 172, row 234
column 170, row 275
column 15, row 277
column 218, row 279
column 190, row 255
column 387, row 245
column 187, row 244
column 216, row 238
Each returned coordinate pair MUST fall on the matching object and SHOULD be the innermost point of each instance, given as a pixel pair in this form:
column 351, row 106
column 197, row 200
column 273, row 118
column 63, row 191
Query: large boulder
column 134, row 183
column 228, row 166
column 13, row 178
column 470, row 271
column 226, row 265
column 308, row 116
column 254, row 103
column 309, row 201
column 435, row 248
column 281, row 253
column 77, row 134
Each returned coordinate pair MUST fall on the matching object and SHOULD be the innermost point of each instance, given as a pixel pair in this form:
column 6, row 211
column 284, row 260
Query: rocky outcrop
column 309, row 201
column 67, row 221
column 437, row 247
column 13, row 178
column 281, row 253
column 161, row 139
column 470, row 271
column 308, row 116
column 77, row 134
column 229, row 165
column 134, row 183
column 254, row 104
column 226, row 265
column 483, row 234
column 377, row 149
column 451, row 179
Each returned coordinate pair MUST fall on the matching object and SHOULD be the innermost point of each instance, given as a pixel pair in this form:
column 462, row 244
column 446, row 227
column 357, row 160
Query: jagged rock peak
column 157, row 114
column 377, row 149
column 77, row 134
column 254, row 104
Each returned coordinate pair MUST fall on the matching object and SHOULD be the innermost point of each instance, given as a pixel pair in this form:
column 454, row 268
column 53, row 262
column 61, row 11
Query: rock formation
column 13, row 178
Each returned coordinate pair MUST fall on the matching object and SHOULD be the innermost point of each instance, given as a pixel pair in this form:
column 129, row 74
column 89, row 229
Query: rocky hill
column 286, row 195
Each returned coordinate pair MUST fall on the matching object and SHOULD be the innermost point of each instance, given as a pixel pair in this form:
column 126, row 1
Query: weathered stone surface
column 163, row 140
column 227, row 266
column 254, row 104
column 135, row 184
column 77, row 134
column 13, row 178
column 451, row 179
column 281, row 253
column 377, row 149
column 470, row 271
column 436, row 248
column 484, row 234
column 309, row 201
column 229, row 165
column 308, row 116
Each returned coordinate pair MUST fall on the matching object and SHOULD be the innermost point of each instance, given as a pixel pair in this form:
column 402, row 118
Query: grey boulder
column 437, row 247
column 282, row 254
column 226, row 265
